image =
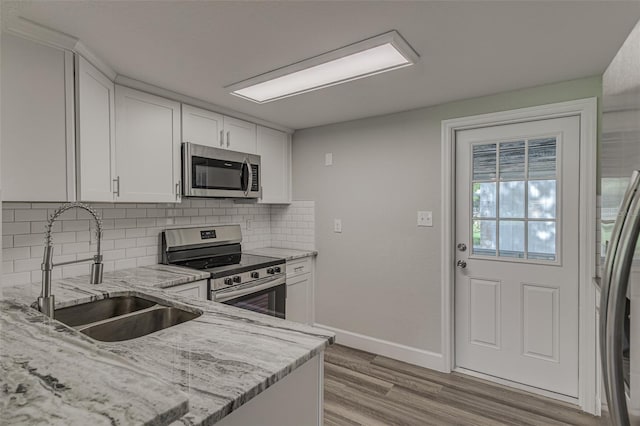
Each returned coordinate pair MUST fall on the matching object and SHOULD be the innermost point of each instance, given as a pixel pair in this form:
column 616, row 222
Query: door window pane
column 512, row 199
column 542, row 158
column 484, row 162
column 484, row 237
column 512, row 160
column 484, row 199
column 512, row 238
column 542, row 240
column 542, row 199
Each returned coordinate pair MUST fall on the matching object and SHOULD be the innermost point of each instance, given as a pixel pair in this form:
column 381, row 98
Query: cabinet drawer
column 299, row 266
column 197, row 290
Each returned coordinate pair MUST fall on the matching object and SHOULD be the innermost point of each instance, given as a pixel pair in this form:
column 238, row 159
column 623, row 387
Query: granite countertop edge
column 155, row 281
column 285, row 253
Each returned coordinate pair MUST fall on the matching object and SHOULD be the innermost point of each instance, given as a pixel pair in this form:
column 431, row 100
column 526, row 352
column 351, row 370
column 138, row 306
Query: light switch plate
column 425, row 218
column 337, row 225
column 328, row 159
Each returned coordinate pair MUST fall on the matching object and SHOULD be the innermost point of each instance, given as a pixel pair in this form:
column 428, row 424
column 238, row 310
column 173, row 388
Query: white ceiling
column 467, row 49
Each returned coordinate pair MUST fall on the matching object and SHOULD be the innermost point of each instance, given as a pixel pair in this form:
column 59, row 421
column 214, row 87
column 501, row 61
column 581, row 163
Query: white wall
column 131, row 232
column 380, row 278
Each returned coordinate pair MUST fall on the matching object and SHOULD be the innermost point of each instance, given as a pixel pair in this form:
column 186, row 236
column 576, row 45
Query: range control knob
column 255, row 275
column 277, row 269
column 237, row 279
column 270, row 271
column 228, row 281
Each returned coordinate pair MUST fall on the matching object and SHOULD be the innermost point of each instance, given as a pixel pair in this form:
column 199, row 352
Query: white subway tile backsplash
column 125, row 263
column 27, row 240
column 13, row 228
column 16, row 253
column 131, row 232
column 75, row 225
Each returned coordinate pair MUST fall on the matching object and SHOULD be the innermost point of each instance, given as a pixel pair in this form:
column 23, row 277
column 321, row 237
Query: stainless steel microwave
column 220, row 173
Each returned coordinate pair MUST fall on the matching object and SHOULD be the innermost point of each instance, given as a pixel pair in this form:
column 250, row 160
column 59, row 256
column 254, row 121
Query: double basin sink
column 122, row 318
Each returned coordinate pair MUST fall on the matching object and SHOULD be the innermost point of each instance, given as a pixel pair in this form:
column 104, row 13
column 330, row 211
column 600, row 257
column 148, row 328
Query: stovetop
column 230, row 264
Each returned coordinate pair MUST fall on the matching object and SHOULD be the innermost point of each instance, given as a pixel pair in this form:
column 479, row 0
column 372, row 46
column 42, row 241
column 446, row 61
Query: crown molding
column 166, row 93
column 33, row 31
column 39, row 33
column 36, row 32
column 82, row 50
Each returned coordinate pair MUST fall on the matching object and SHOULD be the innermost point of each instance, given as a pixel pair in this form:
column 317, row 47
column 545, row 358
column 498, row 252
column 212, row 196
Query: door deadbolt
column 461, row 264
column 462, row 247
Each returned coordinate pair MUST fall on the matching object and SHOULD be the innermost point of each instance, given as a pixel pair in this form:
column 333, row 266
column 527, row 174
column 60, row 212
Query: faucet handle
column 97, row 269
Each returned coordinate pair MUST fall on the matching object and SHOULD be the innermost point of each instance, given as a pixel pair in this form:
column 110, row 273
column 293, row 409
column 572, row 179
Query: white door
column 516, row 283
column 202, row 127
column 147, row 147
column 240, row 135
column 274, row 149
column 95, row 145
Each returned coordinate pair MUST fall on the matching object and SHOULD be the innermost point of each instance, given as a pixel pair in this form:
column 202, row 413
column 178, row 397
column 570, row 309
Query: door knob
column 462, row 247
column 461, row 264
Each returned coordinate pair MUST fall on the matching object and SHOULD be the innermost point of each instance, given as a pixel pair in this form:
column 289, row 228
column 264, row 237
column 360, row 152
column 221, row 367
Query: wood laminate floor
column 366, row 389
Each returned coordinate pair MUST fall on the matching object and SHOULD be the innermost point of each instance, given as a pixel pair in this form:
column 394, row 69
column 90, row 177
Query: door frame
column 586, row 110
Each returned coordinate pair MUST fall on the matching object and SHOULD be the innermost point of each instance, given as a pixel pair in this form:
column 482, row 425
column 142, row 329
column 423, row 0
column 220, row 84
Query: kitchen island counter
column 220, row 360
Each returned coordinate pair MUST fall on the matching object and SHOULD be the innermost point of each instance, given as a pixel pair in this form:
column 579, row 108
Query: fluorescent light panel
column 379, row 54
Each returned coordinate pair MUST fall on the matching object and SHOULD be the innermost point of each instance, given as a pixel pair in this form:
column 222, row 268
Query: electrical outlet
column 337, row 225
column 328, row 159
column 425, row 218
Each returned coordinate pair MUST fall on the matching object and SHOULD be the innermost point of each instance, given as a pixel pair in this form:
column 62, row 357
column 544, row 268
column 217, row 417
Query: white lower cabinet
column 147, row 147
column 298, row 295
column 197, row 289
column 296, row 400
column 300, row 290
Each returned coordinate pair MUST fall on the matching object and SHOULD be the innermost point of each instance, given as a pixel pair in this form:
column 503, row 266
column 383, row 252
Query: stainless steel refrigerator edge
column 619, row 162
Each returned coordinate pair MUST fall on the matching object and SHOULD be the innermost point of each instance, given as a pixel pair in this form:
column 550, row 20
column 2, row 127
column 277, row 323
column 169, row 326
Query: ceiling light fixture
column 386, row 52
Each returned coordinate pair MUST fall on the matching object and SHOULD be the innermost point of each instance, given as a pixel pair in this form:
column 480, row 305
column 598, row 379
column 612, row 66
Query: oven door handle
column 225, row 295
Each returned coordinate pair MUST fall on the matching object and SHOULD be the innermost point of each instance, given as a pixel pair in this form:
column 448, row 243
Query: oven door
column 267, row 296
column 215, row 172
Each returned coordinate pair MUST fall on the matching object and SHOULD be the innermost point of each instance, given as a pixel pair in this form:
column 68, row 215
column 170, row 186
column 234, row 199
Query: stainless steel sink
column 122, row 318
column 101, row 309
column 138, row 324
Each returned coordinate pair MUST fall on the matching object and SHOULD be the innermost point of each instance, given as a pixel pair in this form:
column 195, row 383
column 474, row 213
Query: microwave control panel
column 255, row 185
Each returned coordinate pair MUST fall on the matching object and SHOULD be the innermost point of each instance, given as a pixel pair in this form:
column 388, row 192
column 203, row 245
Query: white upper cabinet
column 147, row 147
column 95, row 139
column 208, row 128
column 274, row 149
column 37, row 122
column 239, row 135
column 202, row 127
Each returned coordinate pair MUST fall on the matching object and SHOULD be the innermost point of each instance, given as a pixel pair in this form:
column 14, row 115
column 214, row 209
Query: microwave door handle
column 615, row 284
column 245, row 177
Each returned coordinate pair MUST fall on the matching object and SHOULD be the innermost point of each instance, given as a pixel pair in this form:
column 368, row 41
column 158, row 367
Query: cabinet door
column 298, row 296
column 147, row 147
column 202, row 127
column 95, row 142
column 240, row 135
column 274, row 149
column 37, row 122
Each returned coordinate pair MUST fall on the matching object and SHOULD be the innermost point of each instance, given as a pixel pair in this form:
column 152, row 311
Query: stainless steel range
column 252, row 282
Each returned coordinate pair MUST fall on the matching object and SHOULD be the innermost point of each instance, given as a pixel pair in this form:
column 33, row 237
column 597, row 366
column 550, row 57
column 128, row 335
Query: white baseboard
column 408, row 354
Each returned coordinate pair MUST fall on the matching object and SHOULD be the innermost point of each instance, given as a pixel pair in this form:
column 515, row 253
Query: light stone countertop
column 288, row 254
column 220, row 360
column 50, row 375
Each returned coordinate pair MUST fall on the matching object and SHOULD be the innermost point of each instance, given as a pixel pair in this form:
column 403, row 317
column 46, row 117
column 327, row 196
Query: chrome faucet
column 46, row 299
